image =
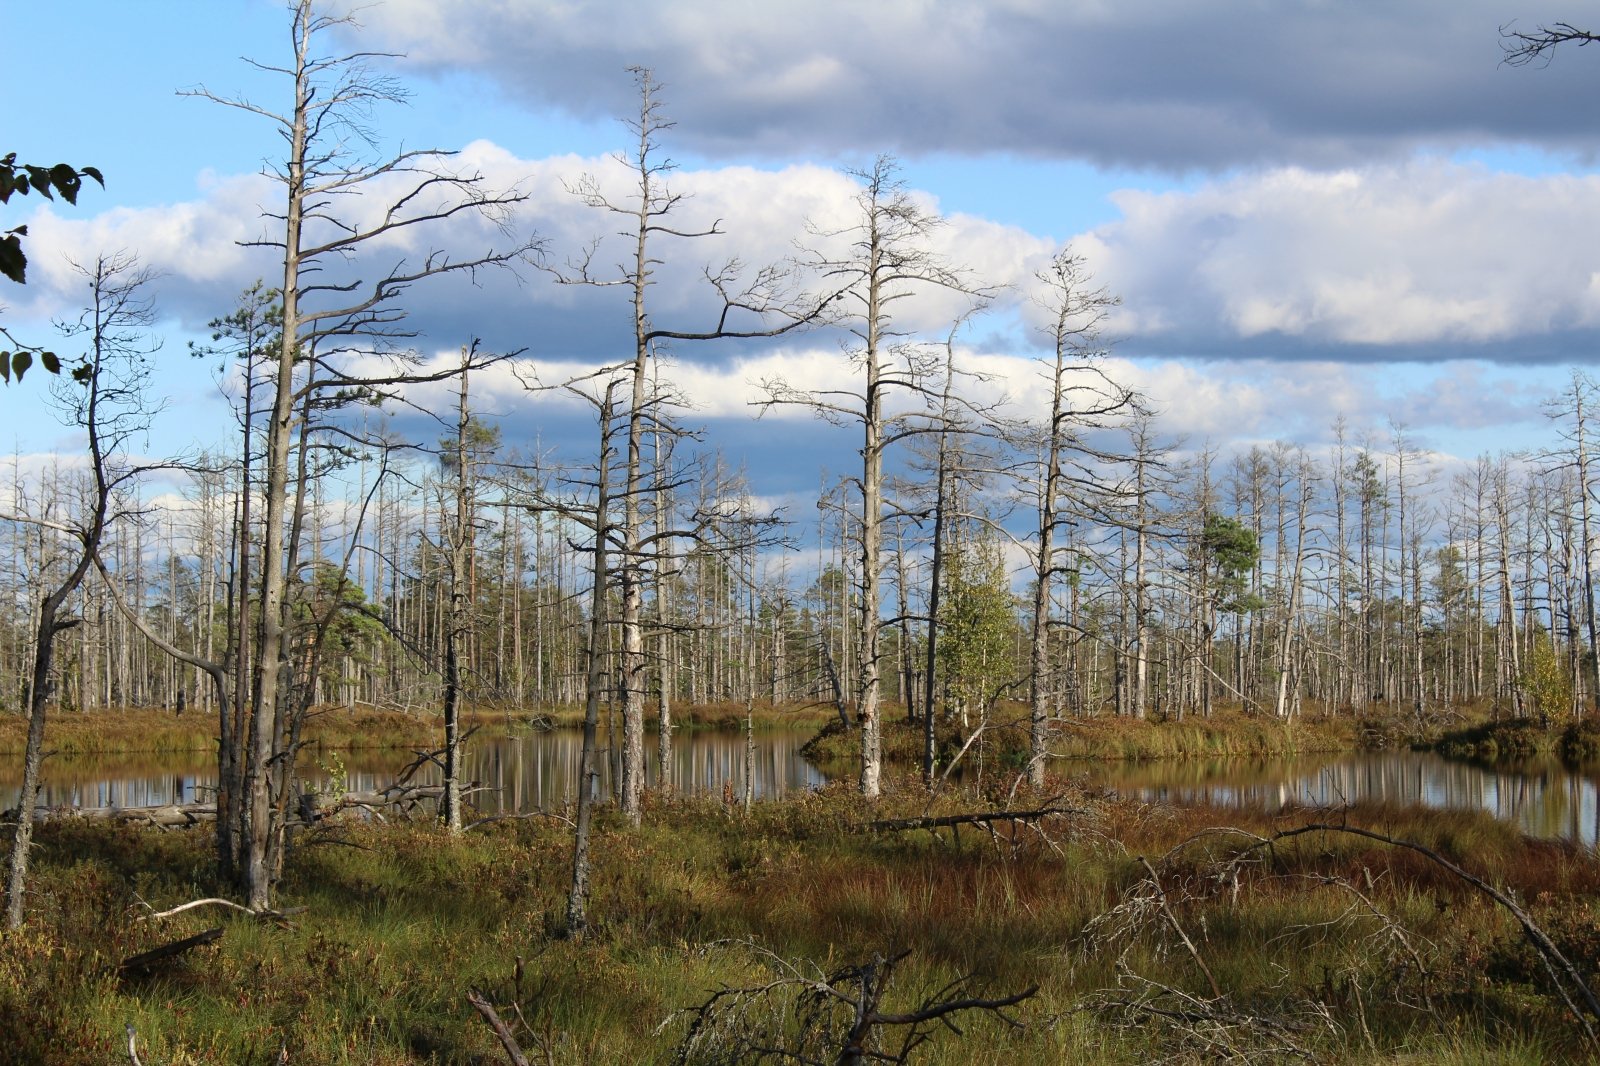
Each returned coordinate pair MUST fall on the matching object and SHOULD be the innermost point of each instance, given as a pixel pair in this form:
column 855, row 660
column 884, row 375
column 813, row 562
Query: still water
column 539, row 770
column 535, row 771
column 1544, row 798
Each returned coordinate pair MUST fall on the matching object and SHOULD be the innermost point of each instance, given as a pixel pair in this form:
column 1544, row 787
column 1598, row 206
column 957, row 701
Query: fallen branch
column 1172, row 919
column 493, row 818
column 502, row 1031
column 895, row 825
column 217, row 901
column 1546, row 949
column 145, row 961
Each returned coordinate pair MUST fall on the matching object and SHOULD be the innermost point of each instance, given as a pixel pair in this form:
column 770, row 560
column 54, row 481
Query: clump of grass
column 1508, row 739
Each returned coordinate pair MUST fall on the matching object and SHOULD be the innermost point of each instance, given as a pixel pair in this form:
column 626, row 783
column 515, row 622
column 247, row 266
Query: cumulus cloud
column 791, row 215
column 1422, row 260
column 1172, row 84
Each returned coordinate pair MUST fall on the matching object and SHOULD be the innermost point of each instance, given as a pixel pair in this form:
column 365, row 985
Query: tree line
column 983, row 567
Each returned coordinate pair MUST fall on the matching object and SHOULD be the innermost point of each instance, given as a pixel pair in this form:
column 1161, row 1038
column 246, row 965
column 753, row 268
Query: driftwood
column 146, row 961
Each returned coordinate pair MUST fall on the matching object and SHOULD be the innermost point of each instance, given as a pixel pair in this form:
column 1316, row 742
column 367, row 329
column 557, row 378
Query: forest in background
column 1049, row 551
column 1034, row 560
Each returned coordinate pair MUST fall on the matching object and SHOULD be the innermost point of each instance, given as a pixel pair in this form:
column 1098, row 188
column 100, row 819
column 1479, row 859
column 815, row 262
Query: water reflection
column 1543, row 798
column 525, row 773
column 539, row 771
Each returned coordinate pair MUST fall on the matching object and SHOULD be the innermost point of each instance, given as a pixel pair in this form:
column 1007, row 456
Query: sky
column 1309, row 209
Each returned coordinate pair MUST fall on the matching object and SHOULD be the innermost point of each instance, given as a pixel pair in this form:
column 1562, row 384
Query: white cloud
column 1430, row 255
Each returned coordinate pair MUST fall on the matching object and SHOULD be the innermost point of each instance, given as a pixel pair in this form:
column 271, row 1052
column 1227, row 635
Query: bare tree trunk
column 595, row 683
column 117, row 307
column 455, row 631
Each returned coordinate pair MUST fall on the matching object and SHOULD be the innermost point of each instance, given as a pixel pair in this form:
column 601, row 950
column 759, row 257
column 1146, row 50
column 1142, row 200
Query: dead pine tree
column 338, row 298
column 1061, row 463
column 748, row 306
column 600, row 524
column 104, row 396
column 881, row 260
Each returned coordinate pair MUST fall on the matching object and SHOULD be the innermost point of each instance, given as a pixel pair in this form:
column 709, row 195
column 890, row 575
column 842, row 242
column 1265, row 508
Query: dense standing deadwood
column 886, row 260
column 808, row 1015
column 334, row 299
column 744, row 307
column 1574, row 410
column 104, row 396
column 1082, row 397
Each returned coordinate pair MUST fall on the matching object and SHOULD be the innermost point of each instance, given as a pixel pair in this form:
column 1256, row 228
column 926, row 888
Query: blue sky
column 1309, row 209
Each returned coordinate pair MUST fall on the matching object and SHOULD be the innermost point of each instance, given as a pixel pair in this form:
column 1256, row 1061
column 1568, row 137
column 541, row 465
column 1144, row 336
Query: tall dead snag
column 600, row 522
column 886, row 259
column 251, row 334
column 649, row 213
column 1082, row 397
column 335, row 300
column 458, row 540
column 105, row 397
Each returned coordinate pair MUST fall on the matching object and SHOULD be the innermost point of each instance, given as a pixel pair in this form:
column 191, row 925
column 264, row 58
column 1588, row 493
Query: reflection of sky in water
column 539, row 770
column 1543, row 799
column 523, row 773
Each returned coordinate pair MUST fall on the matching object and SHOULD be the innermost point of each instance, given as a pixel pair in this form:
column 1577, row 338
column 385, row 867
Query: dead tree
column 885, row 260
column 745, row 306
column 104, row 396
column 335, row 299
column 1082, row 397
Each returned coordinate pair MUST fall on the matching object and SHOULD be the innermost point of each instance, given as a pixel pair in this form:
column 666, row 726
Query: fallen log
column 145, row 962
column 167, row 815
column 985, row 818
column 316, row 806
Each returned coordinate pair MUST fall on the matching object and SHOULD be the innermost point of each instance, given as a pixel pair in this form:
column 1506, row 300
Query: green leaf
column 13, row 264
column 66, row 181
column 93, row 172
column 82, row 373
column 5, row 367
column 20, row 364
column 49, row 361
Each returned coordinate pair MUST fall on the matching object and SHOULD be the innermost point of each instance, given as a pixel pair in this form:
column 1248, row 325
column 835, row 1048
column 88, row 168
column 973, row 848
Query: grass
column 1004, row 742
column 401, row 920
column 156, row 730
